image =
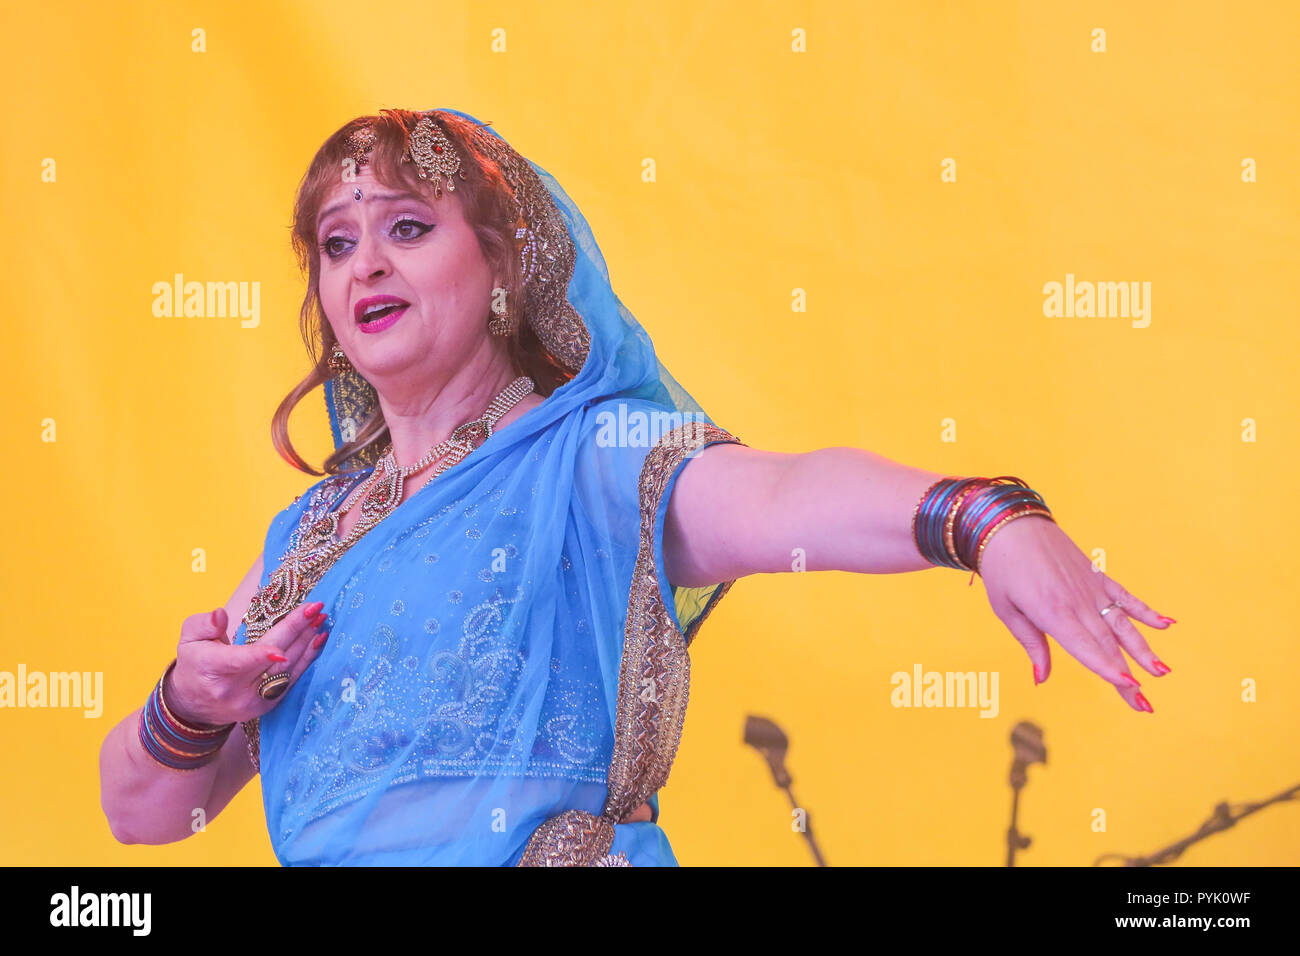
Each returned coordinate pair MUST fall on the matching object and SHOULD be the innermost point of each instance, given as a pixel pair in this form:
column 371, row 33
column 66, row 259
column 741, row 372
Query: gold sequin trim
column 547, row 255
column 323, row 498
column 355, row 399
column 572, row 838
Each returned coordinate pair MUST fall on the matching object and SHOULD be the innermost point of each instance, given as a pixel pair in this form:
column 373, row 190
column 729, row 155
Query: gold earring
column 500, row 323
column 338, row 362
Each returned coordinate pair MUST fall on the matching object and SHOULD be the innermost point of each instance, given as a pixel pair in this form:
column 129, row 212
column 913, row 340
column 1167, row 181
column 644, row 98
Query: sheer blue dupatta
column 507, row 671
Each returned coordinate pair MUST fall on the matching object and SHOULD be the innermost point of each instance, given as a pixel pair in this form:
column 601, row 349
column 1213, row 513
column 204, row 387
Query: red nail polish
column 1132, row 679
column 312, row 609
column 1161, row 667
column 320, row 640
column 278, row 658
column 1037, row 680
column 1168, row 620
column 318, row 620
column 1145, row 704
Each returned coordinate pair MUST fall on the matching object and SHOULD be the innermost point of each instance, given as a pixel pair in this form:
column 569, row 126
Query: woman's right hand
column 215, row 681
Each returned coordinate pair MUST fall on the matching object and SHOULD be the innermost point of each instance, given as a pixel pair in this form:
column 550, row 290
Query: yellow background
column 775, row 171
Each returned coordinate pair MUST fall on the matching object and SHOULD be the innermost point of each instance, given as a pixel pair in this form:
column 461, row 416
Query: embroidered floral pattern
column 459, row 692
column 451, row 718
column 457, row 714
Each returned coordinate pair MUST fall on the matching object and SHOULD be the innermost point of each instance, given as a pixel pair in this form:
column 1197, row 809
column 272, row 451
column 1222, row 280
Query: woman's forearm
column 144, row 801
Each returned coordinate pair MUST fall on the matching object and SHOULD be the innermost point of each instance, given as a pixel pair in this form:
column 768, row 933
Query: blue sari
column 507, row 673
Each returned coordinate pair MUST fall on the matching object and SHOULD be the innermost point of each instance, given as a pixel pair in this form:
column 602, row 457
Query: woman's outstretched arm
column 737, row 510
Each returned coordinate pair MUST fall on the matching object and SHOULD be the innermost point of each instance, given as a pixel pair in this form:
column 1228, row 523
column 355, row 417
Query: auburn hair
column 489, row 208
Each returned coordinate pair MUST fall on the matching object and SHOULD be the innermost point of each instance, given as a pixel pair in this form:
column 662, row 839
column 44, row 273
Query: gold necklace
column 380, row 494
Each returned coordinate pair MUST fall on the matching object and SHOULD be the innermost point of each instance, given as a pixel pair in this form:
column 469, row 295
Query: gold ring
column 273, row 685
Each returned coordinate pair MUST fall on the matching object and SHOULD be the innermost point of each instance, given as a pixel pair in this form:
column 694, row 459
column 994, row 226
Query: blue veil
column 507, row 671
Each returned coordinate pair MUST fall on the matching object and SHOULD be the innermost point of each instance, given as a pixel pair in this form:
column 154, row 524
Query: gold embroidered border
column 654, row 678
column 547, row 255
column 572, row 838
column 323, row 498
column 252, row 731
column 355, row 398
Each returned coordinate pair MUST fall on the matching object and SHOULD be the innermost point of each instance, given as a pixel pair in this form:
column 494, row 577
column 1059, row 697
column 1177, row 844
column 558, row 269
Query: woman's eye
column 423, row 228
column 327, row 246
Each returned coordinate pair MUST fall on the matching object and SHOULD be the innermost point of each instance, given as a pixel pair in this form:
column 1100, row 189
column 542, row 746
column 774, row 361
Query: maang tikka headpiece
column 360, row 142
column 427, row 146
column 433, row 154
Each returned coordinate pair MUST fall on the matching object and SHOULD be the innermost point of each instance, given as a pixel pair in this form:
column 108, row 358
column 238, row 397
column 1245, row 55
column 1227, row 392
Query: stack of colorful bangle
column 955, row 517
column 174, row 743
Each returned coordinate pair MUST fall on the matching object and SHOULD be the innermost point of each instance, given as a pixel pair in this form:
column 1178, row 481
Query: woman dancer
column 468, row 643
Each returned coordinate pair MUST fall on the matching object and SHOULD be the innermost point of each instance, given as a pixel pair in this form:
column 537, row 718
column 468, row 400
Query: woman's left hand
column 1038, row 581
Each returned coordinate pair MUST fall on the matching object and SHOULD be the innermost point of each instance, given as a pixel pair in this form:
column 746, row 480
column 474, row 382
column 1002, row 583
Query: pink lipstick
column 378, row 312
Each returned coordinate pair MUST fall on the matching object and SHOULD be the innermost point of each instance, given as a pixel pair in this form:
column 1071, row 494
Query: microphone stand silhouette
column 1027, row 743
column 770, row 740
column 1225, row 816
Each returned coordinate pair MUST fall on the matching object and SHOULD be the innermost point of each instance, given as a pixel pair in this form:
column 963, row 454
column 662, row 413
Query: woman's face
column 423, row 256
